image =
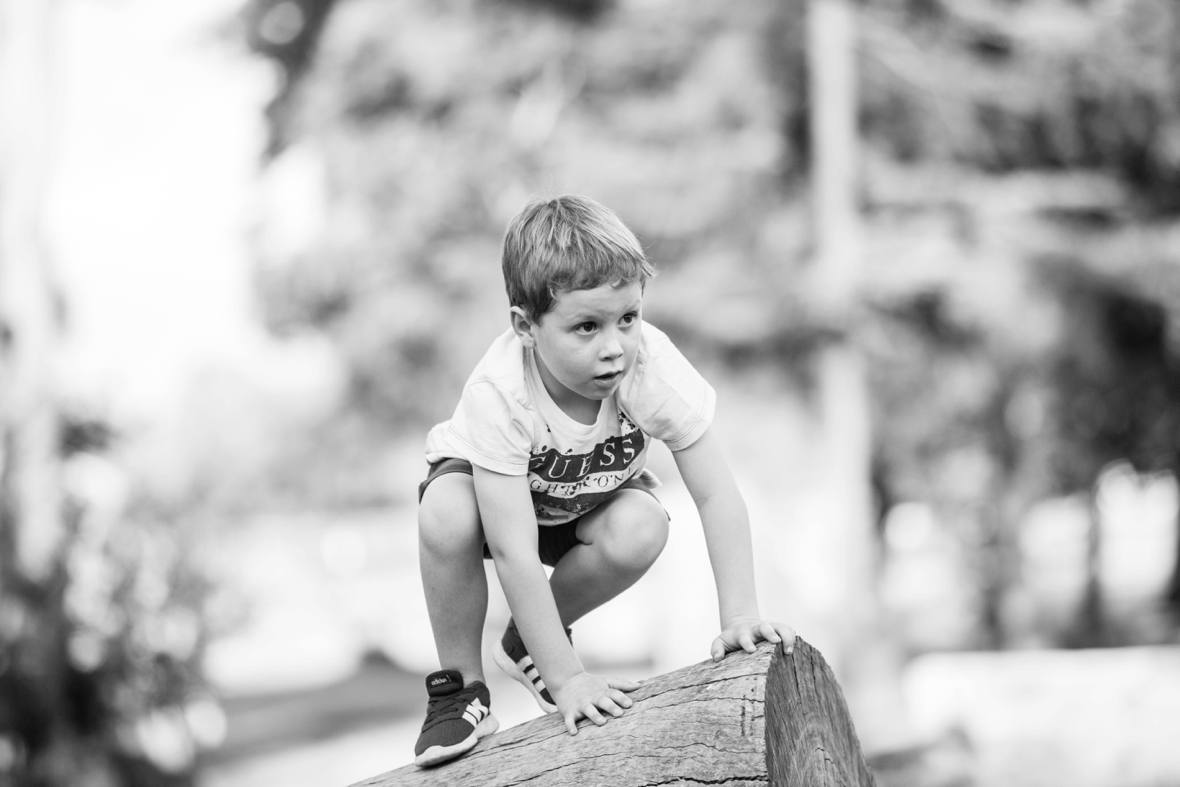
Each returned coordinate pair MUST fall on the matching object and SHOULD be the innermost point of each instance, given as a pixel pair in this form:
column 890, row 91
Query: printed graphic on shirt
column 565, row 484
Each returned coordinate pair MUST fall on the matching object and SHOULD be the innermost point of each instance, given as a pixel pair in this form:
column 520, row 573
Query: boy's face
column 585, row 343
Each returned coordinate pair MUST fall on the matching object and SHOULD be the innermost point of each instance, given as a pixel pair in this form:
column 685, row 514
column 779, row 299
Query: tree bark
column 761, row 718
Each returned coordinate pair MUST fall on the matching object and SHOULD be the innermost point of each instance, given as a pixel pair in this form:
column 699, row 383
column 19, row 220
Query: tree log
column 761, row 718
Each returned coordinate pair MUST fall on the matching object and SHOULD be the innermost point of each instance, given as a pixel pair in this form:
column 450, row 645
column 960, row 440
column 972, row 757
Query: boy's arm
column 510, row 527
column 726, row 524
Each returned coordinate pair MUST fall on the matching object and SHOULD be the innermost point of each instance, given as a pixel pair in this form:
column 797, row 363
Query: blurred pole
column 831, row 67
column 1172, row 591
column 30, row 497
column 863, row 656
column 840, row 370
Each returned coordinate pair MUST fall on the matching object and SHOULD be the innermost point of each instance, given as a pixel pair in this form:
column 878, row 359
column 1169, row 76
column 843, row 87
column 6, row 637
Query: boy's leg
column 450, row 548
column 620, row 540
column 450, row 551
column 617, row 542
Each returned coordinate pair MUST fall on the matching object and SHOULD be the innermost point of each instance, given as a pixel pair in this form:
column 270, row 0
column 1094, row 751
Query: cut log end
column 810, row 738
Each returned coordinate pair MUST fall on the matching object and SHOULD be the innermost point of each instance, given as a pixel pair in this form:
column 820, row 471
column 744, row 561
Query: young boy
column 542, row 463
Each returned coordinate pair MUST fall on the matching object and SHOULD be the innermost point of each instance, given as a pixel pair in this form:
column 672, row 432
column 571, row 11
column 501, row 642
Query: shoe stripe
column 535, row 677
column 475, row 712
column 525, row 672
column 526, row 666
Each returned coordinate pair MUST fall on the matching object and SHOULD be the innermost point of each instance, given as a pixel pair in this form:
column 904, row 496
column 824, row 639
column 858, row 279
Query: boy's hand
column 745, row 632
column 589, row 696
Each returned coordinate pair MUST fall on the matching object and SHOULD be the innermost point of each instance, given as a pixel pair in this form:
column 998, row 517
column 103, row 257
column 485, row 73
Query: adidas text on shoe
column 457, row 716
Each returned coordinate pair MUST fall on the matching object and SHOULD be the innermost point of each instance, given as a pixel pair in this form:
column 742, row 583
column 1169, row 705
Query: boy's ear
column 522, row 325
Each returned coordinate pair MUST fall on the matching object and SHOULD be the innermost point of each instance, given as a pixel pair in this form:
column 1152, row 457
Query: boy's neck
column 584, row 411
column 579, row 408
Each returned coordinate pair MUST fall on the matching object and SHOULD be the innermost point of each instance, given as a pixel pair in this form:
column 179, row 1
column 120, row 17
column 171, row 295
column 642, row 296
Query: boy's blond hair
column 567, row 243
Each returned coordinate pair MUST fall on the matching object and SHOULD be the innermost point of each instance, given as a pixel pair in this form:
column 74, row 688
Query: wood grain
column 810, row 737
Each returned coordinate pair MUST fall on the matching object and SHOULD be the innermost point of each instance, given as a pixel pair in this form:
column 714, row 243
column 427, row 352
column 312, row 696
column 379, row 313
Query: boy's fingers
column 784, row 631
column 717, row 651
column 621, row 699
column 788, row 637
column 571, row 724
column 609, row 705
column 747, row 642
column 769, row 633
column 623, row 685
column 591, row 713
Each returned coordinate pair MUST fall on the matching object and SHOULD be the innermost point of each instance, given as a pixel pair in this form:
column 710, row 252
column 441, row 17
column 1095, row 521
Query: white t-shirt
column 506, row 422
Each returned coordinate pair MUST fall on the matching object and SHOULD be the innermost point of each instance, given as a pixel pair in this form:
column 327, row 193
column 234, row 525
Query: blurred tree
column 287, row 32
column 969, row 152
column 421, row 151
column 990, row 130
column 1116, row 396
column 1101, row 103
column 839, row 363
column 1033, row 85
column 84, row 670
column 29, row 319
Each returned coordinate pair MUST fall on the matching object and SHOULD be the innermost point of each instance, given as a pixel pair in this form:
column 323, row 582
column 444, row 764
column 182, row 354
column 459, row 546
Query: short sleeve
column 491, row 430
column 665, row 395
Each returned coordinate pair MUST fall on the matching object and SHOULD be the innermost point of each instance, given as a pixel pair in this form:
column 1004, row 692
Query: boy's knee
column 636, row 530
column 448, row 518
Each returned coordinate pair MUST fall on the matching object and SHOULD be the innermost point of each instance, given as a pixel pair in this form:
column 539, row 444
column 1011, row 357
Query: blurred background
column 928, row 252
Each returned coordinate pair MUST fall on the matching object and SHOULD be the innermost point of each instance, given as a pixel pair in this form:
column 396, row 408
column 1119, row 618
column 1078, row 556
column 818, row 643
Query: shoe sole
column 437, row 755
column 508, row 666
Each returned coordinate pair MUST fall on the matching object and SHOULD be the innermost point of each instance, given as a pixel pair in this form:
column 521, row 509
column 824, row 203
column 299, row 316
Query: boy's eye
column 629, row 318
column 585, row 327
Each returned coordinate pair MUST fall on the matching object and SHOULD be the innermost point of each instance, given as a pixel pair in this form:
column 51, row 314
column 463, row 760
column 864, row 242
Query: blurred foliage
column 1006, row 86
column 431, row 124
column 1021, row 188
column 99, row 677
column 1117, row 384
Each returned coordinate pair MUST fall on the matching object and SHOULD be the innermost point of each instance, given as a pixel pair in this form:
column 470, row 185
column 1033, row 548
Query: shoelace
column 447, row 707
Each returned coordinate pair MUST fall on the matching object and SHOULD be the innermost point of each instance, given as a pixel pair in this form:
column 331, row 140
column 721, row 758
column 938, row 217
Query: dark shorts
column 553, row 541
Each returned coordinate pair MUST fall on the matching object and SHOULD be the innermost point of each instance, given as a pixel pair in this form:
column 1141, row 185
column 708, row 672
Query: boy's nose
column 611, row 348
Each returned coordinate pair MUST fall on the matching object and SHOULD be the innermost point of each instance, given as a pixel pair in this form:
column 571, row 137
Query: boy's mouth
column 608, row 377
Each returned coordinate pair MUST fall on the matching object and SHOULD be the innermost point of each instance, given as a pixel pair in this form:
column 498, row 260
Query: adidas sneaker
column 512, row 657
column 457, row 716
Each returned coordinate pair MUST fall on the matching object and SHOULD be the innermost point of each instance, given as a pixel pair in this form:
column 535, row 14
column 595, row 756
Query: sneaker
column 510, row 656
column 457, row 716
